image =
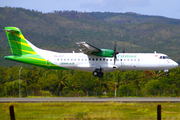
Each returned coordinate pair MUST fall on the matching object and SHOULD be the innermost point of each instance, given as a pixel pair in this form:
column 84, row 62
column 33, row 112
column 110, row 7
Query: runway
column 93, row 99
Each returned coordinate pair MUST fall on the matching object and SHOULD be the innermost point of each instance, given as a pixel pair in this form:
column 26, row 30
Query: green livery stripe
column 21, row 43
column 34, row 60
column 30, row 52
column 19, row 36
column 37, row 58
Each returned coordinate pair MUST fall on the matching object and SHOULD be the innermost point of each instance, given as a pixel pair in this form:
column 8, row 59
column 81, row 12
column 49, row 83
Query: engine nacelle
column 104, row 53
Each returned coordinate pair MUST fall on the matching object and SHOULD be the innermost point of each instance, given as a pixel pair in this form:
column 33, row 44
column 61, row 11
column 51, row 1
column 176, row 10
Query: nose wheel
column 167, row 74
column 98, row 73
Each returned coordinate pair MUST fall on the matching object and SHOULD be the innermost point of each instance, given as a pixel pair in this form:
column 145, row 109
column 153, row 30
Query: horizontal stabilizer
column 12, row 29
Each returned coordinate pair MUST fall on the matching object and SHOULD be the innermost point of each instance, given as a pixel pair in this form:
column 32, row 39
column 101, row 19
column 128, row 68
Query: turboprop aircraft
column 91, row 58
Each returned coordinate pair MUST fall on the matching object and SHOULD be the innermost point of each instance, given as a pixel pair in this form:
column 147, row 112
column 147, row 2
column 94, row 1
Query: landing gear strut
column 166, row 72
column 98, row 73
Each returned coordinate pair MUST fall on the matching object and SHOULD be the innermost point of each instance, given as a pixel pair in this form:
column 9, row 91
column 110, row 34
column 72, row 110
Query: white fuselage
column 125, row 61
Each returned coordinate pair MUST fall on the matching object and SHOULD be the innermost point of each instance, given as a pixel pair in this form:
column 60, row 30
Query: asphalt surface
column 92, row 99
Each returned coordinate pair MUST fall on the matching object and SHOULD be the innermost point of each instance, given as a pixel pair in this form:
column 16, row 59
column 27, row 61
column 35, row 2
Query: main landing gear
column 98, row 73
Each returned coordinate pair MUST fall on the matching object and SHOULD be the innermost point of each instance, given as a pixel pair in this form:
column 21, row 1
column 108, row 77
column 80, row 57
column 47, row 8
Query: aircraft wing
column 87, row 48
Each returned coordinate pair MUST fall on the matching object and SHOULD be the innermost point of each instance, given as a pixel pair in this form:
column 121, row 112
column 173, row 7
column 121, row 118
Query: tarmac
column 94, row 99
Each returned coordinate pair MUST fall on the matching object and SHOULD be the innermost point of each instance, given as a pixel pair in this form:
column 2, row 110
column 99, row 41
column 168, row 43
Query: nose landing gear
column 166, row 72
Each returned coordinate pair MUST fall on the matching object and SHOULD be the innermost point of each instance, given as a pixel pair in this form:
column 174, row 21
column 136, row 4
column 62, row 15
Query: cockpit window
column 164, row 57
column 167, row 57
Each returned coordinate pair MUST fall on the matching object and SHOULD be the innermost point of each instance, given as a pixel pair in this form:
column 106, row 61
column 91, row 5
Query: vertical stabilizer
column 18, row 44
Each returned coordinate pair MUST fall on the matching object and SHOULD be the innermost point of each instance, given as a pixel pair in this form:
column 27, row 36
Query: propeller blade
column 114, row 55
column 123, row 50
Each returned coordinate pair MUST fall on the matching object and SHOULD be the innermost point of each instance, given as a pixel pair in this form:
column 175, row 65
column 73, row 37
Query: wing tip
column 80, row 42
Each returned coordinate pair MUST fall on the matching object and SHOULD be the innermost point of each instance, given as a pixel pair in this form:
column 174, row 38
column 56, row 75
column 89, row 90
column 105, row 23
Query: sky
column 166, row 8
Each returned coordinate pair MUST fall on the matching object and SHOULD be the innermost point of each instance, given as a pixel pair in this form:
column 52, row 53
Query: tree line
column 42, row 79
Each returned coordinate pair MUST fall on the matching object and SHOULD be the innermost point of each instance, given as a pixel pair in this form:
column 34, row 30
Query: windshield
column 164, row 57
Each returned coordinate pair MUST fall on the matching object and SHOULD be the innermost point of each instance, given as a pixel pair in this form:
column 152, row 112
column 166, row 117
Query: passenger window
column 160, row 57
column 78, row 59
column 134, row 59
column 64, row 59
column 121, row 59
column 127, row 59
column 99, row 59
column 110, row 59
column 67, row 59
column 71, row 59
column 124, row 59
column 106, row 59
column 89, row 59
column 93, row 59
column 96, row 59
column 82, row 59
column 85, row 59
column 103, row 59
column 164, row 57
column 74, row 59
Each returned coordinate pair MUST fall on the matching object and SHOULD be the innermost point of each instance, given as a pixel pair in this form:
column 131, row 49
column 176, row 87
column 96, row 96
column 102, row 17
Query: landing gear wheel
column 167, row 74
column 95, row 73
column 100, row 74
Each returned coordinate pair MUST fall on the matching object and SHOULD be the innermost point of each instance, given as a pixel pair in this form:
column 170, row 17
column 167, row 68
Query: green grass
column 79, row 110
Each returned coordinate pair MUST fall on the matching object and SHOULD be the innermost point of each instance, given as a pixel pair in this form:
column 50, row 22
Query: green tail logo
column 18, row 44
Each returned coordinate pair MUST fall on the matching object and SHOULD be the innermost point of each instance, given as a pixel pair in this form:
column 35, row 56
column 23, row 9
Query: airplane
column 91, row 58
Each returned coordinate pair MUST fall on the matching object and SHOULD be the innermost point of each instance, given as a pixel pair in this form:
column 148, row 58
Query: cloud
column 113, row 5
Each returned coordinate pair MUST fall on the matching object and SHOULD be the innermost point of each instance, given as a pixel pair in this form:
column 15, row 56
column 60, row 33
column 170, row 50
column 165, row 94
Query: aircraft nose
column 175, row 64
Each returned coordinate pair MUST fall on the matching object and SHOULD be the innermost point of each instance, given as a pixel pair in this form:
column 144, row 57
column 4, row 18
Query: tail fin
column 18, row 44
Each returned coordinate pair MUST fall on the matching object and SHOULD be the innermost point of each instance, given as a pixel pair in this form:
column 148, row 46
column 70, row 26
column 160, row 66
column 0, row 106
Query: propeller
column 115, row 53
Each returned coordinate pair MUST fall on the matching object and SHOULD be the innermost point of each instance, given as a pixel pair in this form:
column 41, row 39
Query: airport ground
column 94, row 99
column 90, row 108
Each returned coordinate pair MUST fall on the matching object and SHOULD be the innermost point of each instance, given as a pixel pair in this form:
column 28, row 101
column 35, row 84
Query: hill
column 110, row 17
column 59, row 30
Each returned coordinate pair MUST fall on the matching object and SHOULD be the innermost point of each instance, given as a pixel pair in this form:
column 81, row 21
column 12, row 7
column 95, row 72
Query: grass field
column 80, row 110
